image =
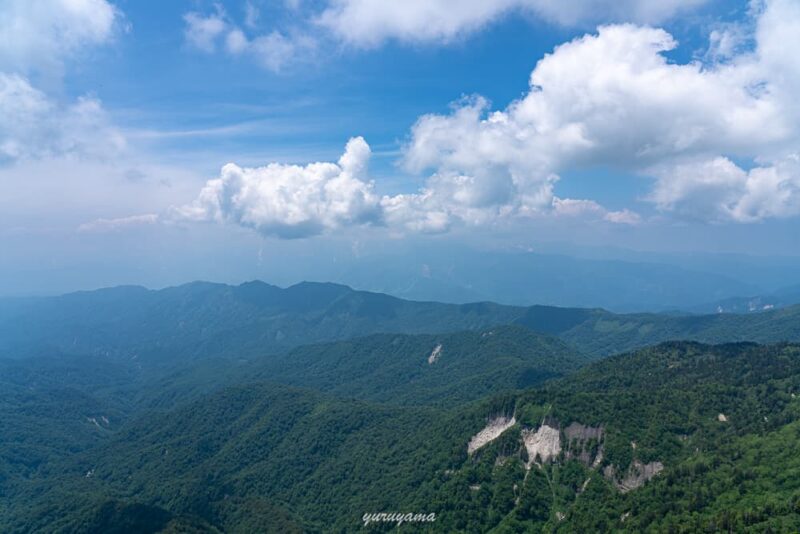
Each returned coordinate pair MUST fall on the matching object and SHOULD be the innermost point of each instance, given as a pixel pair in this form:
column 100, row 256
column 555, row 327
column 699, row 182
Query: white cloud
column 589, row 209
column 251, row 15
column 111, row 225
column 236, row 41
column 39, row 36
column 291, row 201
column 36, row 40
column 719, row 190
column 726, row 41
column 202, row 32
column 34, row 126
column 624, row 216
column 273, row 51
column 421, row 212
column 369, row 23
column 606, row 99
column 614, row 99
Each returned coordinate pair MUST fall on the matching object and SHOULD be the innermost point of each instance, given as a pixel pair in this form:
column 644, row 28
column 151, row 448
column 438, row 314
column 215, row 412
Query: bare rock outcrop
column 490, row 432
column 637, row 474
column 584, row 443
column 543, row 445
column 435, row 353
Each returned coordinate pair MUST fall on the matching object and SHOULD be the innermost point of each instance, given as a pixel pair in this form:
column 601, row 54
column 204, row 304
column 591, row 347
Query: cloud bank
column 613, row 99
column 719, row 140
column 297, row 201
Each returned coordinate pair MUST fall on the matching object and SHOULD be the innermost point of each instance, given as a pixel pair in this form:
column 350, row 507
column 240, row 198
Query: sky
column 160, row 142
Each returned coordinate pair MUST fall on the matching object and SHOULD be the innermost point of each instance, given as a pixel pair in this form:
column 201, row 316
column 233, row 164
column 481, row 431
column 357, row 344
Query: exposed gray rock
column 435, row 354
column 637, row 474
column 490, row 432
column 584, row 443
column 543, row 445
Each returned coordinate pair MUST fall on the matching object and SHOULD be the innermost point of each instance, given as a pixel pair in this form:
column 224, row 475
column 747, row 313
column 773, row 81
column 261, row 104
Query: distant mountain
column 202, row 320
column 782, row 298
column 679, row 437
column 460, row 275
column 598, row 333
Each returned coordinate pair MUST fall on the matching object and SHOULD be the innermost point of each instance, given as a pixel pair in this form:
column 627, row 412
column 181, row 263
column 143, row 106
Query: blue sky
column 672, row 128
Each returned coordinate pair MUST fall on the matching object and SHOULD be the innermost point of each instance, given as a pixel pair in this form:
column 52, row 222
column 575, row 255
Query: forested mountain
column 201, row 320
column 679, row 437
column 598, row 333
column 63, row 404
column 425, row 369
column 781, row 298
column 431, row 369
column 207, row 408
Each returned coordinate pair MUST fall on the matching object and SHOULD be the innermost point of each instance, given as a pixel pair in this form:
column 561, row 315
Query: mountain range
column 196, row 320
column 217, row 408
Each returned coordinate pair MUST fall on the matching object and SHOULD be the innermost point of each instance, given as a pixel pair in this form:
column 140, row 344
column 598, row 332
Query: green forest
column 193, row 432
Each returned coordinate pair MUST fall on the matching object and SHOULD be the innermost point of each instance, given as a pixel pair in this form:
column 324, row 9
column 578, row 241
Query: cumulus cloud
column 34, row 126
column 369, row 23
column 613, row 99
column 39, row 36
column 291, row 201
column 719, row 190
column 718, row 139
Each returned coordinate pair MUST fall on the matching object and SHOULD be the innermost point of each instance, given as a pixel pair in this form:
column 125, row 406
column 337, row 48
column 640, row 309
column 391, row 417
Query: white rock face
column 434, row 357
column 491, row 432
column 544, row 442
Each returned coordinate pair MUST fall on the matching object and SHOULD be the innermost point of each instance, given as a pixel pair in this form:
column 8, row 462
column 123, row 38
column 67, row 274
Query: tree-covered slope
column 421, row 369
column 53, row 407
column 681, row 437
column 326, row 459
column 202, row 320
column 427, row 368
column 199, row 320
column 62, row 405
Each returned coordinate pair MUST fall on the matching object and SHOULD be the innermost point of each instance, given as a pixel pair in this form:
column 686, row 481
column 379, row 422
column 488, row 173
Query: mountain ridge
column 199, row 319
